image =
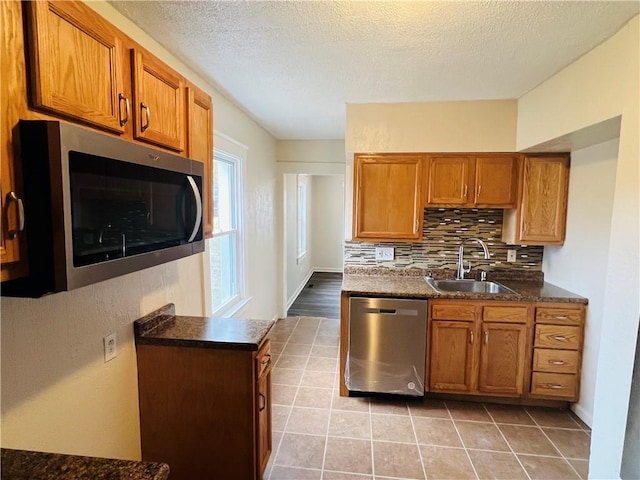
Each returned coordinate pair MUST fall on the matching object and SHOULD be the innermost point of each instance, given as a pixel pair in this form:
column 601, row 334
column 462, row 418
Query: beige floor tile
column 468, row 411
column 497, row 466
column 353, row 404
column 313, row 397
column 309, row 321
column 348, row 455
column 305, row 328
column 292, row 473
column 436, row 431
column 297, row 362
column 304, row 451
column 531, row 440
column 580, row 466
column 571, row 443
column 392, row 428
column 290, row 322
column 279, row 416
column 279, row 336
column 397, row 460
column 547, row 468
column 321, row 364
column 481, row 436
column 286, row 376
column 509, row 414
column 390, row 406
column 296, row 349
column 325, row 351
column 313, row 421
column 443, row 463
column 327, row 340
column 428, row 408
column 318, row 379
column 350, row 424
column 579, row 421
column 276, row 347
column 552, row 417
column 328, row 475
column 306, row 339
column 283, row 394
column 329, row 329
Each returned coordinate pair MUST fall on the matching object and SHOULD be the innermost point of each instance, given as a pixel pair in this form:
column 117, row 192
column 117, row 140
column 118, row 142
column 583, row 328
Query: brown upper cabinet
column 200, row 145
column 76, row 69
column 387, row 197
column 158, row 96
column 455, row 180
column 541, row 214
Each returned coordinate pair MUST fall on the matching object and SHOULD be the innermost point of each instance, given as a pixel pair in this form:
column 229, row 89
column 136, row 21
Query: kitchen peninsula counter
column 23, row 464
column 410, row 283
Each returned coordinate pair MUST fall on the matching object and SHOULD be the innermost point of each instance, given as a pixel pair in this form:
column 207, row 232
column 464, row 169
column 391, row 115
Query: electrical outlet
column 511, row 255
column 110, row 347
column 384, row 253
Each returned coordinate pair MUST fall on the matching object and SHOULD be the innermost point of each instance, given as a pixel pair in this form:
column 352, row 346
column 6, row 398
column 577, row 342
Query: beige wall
column 600, row 85
column 58, row 395
column 326, row 222
column 310, row 151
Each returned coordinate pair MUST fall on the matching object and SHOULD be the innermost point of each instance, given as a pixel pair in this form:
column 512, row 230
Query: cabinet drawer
column 453, row 311
column 554, row 384
column 556, row 336
column 559, row 316
column 505, row 314
column 263, row 359
column 557, row 361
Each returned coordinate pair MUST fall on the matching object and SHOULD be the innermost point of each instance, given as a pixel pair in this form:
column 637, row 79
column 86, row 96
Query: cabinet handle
column 561, row 317
column 560, row 338
column 127, row 109
column 263, row 401
column 478, row 191
column 557, row 362
column 12, row 197
column 465, row 190
column 147, row 111
column 486, row 337
column 555, row 386
column 471, row 336
column 266, row 360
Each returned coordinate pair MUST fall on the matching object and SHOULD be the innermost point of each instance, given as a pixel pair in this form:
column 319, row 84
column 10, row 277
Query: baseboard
column 582, row 413
column 327, row 270
column 298, row 290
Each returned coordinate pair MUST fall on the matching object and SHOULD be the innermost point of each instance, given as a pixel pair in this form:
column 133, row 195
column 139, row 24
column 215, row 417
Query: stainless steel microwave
column 96, row 207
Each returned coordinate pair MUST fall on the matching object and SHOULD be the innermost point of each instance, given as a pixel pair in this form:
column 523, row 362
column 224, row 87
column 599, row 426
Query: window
column 302, row 216
column 226, row 256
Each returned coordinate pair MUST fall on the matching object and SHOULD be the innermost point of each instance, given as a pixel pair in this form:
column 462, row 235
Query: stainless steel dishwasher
column 387, row 344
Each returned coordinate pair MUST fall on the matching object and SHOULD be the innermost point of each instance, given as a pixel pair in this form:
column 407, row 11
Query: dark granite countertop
column 413, row 285
column 164, row 327
column 27, row 465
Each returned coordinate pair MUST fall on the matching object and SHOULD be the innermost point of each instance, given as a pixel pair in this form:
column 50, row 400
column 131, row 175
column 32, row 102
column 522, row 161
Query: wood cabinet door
column 387, row 198
column 448, row 180
column 263, row 436
column 158, row 97
column 200, row 145
column 452, row 346
column 502, row 355
column 543, row 211
column 75, row 62
column 496, row 181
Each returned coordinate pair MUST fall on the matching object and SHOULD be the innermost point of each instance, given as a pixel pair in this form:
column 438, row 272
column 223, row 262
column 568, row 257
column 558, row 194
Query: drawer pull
column 555, row 386
column 471, row 336
column 486, row 337
column 557, row 362
column 263, row 401
column 561, row 317
column 560, row 338
column 266, row 360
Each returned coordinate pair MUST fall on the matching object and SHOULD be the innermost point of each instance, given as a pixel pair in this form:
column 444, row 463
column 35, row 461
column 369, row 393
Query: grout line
column 507, row 442
column 415, row 436
column 461, row 441
column 373, row 463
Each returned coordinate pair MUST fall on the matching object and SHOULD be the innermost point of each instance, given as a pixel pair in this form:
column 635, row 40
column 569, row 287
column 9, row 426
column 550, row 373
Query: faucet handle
column 466, row 270
column 483, row 276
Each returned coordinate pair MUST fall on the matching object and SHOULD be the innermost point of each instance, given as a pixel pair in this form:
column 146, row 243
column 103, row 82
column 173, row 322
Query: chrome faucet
column 461, row 270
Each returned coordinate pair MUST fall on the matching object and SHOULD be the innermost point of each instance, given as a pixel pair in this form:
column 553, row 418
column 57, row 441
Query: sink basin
column 468, row 286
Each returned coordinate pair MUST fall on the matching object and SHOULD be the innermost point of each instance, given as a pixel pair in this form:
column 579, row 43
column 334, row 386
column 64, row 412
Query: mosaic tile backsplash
column 443, row 231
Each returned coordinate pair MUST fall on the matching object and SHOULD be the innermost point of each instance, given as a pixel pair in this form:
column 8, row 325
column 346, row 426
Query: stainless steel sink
column 468, row 286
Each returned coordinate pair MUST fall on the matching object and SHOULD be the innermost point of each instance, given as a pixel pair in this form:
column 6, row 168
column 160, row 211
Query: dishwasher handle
column 411, row 312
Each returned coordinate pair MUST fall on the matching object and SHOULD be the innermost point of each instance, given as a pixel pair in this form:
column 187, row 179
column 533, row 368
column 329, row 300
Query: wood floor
column 320, row 297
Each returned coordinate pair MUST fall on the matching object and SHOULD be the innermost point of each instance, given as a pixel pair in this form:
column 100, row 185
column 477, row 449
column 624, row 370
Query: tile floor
column 319, row 435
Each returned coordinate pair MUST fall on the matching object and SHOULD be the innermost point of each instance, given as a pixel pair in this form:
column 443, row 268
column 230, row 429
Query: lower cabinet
column 206, row 411
column 478, row 347
column 507, row 349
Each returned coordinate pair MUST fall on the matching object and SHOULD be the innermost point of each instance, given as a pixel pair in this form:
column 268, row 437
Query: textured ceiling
column 293, row 65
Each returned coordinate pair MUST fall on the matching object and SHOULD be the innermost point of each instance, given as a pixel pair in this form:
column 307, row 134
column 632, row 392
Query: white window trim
column 230, row 148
